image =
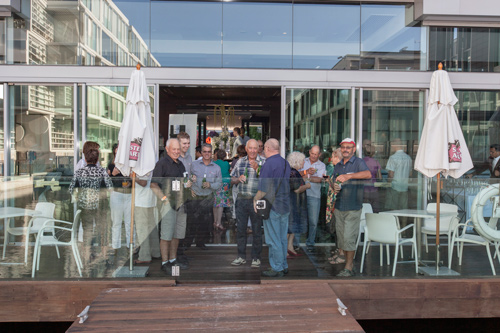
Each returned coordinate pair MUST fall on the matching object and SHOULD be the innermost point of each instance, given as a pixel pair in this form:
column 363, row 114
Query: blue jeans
column 313, row 206
column 276, row 229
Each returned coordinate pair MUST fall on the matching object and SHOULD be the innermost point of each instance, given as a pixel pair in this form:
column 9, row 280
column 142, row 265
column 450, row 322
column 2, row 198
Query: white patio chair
column 429, row 225
column 51, row 240
column 46, row 210
column 462, row 237
column 367, row 208
column 383, row 228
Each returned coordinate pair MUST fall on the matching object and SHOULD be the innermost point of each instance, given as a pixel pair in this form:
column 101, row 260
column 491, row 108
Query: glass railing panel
column 208, row 232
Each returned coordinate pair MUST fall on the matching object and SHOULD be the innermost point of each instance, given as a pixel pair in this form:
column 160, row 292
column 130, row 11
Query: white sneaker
column 238, row 261
column 256, row 263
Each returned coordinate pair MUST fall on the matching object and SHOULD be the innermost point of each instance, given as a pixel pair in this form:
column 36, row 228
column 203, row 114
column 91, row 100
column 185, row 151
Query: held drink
column 246, row 174
column 185, row 179
column 204, row 180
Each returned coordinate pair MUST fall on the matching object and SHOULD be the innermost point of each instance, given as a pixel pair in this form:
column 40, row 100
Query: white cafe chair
column 50, row 239
column 461, row 237
column 46, row 210
column 429, row 225
column 367, row 208
column 384, row 228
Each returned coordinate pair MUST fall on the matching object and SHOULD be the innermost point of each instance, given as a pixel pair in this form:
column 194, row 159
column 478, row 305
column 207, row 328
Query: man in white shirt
column 313, row 172
column 146, row 226
column 399, row 167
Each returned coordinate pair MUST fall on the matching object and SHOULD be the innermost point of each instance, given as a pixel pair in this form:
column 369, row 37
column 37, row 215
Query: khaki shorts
column 347, row 226
column 173, row 223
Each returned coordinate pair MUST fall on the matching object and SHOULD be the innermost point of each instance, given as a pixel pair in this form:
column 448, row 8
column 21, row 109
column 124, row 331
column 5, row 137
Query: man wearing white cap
column 349, row 201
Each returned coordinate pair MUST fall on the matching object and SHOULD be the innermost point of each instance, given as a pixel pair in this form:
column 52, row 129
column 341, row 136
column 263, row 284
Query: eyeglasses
column 206, row 151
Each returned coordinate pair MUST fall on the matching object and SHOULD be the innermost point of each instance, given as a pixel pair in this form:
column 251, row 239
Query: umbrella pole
column 438, row 213
column 131, row 245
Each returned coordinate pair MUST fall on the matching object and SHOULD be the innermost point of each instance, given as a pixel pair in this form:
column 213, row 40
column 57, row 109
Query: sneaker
column 167, row 268
column 346, row 273
column 256, row 263
column 182, row 265
column 272, row 273
column 238, row 261
column 285, row 271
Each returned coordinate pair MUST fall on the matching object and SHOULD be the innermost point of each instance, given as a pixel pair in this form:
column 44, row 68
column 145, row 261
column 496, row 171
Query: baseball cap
column 348, row 140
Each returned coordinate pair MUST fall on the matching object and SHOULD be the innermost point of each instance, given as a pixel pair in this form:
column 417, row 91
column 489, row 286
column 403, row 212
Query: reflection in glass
column 479, row 115
column 317, row 117
column 465, row 49
column 257, row 35
column 42, row 130
column 388, row 42
column 105, row 110
column 325, row 36
column 186, row 34
column 390, row 143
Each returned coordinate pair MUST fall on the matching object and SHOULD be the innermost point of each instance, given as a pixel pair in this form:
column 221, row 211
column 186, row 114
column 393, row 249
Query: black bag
column 263, row 208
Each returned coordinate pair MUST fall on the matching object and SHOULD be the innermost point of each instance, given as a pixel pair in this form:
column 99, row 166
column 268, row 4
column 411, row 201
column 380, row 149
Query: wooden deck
column 304, row 307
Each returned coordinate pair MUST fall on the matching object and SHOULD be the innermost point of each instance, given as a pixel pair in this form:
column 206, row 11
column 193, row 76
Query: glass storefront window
column 105, row 110
column 317, row 117
column 392, row 121
column 465, row 49
column 186, row 34
column 388, row 42
column 42, row 130
column 478, row 114
column 257, row 35
column 325, row 36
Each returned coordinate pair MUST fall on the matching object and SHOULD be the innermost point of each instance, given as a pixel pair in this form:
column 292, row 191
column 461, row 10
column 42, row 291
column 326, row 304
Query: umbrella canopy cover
column 136, row 150
column 442, row 146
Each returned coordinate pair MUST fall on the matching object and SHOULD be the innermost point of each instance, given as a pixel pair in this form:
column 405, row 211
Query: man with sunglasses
column 207, row 178
column 349, row 201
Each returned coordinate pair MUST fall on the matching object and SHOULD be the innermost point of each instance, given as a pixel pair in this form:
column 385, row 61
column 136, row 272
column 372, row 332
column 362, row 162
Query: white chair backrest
column 47, row 212
column 382, row 228
column 444, row 208
column 367, row 208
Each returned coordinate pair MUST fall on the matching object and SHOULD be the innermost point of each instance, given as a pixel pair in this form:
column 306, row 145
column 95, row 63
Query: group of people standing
column 190, row 192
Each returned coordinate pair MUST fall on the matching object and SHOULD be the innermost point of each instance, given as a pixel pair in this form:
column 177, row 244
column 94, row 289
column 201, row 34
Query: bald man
column 313, row 172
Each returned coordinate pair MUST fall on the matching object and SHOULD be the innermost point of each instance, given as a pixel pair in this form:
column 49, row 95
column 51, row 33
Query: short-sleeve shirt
column 274, row 180
column 90, row 180
column 350, row 196
column 315, row 190
column 251, row 186
column 374, row 166
column 212, row 173
column 400, row 163
column 224, row 169
column 167, row 170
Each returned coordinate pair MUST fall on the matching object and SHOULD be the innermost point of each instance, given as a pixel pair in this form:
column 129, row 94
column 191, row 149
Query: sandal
column 338, row 259
column 346, row 273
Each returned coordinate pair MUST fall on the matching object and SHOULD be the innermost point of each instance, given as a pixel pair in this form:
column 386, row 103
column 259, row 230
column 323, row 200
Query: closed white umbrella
column 136, row 153
column 442, row 148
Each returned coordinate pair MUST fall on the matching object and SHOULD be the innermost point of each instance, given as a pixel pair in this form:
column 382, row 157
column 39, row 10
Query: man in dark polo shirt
column 167, row 171
column 274, row 185
column 349, row 201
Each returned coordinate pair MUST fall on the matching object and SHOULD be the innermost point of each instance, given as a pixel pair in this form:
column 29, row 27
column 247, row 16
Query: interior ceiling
column 247, row 101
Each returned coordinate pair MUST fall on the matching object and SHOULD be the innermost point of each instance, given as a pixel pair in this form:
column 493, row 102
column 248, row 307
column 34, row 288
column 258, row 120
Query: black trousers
column 200, row 216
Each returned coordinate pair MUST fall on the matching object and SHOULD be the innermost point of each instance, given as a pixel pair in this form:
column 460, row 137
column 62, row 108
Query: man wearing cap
column 313, row 172
column 349, row 201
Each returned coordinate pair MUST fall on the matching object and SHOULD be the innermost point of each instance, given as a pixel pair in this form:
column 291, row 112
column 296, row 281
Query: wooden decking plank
column 279, row 308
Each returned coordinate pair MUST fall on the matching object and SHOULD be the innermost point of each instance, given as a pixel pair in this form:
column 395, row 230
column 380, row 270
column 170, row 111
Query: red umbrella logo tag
column 135, row 149
column 454, row 153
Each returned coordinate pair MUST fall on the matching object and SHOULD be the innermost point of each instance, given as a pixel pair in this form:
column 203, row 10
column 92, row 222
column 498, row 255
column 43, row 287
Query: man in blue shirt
column 349, row 201
column 274, row 184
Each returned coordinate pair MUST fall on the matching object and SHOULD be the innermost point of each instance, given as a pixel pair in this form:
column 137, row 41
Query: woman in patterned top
column 89, row 181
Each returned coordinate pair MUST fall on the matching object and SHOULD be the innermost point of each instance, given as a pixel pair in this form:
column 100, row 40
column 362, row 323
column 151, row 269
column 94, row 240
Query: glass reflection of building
column 65, row 33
